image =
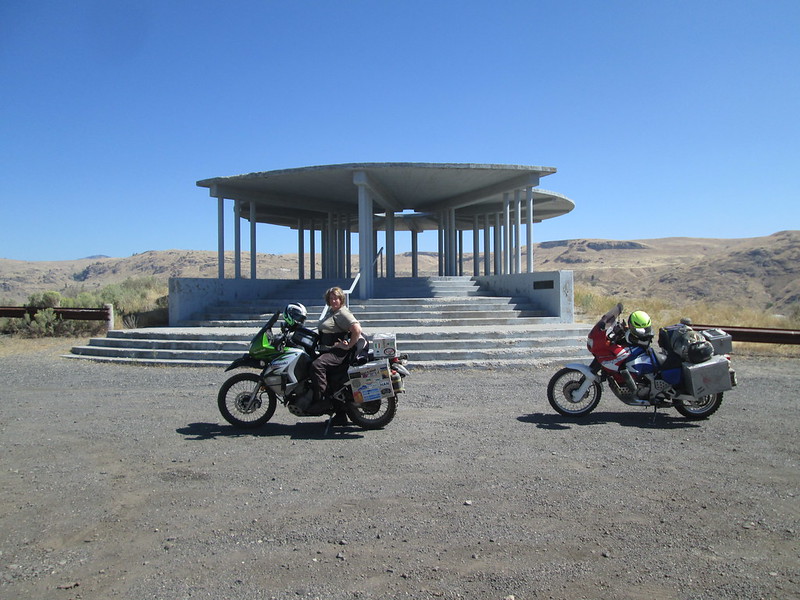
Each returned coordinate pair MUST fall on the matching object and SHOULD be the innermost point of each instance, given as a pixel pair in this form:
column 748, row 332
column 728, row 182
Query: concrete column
column 366, row 249
column 338, row 245
column 442, row 246
column 342, row 245
column 498, row 250
column 312, row 249
column 378, row 267
column 455, row 257
column 529, row 223
column 252, row 239
column 476, row 239
column 487, row 236
column 517, row 230
column 390, row 271
column 330, row 247
column 301, row 250
column 414, row 254
column 220, row 237
column 321, row 248
column 460, row 242
column 237, row 237
column 506, row 233
column 348, row 248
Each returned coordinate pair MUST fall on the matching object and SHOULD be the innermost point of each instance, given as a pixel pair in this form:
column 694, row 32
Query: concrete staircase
column 439, row 322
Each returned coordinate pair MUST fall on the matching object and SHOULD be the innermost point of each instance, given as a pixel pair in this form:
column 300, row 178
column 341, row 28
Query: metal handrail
column 352, row 287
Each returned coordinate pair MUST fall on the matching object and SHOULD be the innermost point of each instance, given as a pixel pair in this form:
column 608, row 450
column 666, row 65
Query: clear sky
column 677, row 118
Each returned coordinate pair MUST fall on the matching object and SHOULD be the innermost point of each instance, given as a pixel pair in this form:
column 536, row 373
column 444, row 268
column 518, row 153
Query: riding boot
column 339, row 418
column 321, row 402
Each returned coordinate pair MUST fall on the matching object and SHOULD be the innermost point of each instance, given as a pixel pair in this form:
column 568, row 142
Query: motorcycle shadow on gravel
column 643, row 420
column 299, row 431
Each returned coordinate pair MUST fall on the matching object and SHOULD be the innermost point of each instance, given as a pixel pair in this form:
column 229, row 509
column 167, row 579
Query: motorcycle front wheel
column 245, row 401
column 372, row 415
column 702, row 409
column 559, row 393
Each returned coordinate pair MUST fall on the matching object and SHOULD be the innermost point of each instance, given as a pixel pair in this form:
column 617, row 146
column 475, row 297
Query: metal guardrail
column 760, row 335
column 78, row 314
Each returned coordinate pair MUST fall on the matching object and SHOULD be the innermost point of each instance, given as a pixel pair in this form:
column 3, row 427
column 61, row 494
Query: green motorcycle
column 248, row 400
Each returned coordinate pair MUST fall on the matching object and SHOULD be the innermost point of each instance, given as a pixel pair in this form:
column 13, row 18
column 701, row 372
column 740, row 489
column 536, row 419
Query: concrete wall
column 189, row 297
column 552, row 291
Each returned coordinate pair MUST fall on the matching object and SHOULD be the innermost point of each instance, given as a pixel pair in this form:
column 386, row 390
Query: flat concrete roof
column 417, row 191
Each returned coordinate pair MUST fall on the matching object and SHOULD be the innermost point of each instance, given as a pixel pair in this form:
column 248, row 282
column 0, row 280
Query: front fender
column 583, row 368
column 246, row 361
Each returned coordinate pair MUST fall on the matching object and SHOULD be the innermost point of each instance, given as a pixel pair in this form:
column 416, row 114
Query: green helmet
column 640, row 328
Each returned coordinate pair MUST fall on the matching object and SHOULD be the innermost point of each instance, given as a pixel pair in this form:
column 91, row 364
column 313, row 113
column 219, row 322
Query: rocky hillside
column 750, row 272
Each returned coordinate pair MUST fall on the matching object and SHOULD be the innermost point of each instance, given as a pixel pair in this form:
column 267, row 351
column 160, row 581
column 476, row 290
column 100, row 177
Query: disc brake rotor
column 245, row 403
column 571, row 387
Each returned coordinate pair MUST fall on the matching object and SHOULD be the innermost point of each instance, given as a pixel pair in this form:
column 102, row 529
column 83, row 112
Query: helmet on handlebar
column 640, row 328
column 294, row 315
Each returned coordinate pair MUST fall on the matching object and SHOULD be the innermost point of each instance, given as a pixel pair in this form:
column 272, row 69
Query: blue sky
column 663, row 118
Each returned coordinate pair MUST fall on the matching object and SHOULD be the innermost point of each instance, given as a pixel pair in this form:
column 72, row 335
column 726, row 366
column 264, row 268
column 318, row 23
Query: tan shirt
column 338, row 322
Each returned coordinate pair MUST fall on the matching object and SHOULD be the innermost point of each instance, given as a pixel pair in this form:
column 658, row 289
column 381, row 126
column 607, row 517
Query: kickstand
column 655, row 414
column 328, row 425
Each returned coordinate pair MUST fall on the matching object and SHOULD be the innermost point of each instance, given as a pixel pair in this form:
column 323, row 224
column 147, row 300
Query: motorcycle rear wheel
column 245, row 402
column 706, row 406
column 372, row 415
column 559, row 393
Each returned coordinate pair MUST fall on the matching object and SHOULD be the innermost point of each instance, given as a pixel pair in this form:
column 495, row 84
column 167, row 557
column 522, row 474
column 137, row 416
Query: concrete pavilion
column 498, row 203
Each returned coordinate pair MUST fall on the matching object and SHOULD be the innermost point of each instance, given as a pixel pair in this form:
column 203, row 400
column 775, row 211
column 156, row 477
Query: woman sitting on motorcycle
column 339, row 333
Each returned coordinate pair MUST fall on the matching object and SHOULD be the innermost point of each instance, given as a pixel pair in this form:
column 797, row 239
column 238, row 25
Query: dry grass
column 589, row 306
column 50, row 346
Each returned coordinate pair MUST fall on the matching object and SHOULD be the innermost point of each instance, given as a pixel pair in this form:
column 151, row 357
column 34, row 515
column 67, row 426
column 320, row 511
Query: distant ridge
column 762, row 272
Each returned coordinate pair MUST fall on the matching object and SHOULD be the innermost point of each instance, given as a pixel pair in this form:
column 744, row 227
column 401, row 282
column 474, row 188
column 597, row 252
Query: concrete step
column 439, row 321
column 367, row 318
column 431, row 349
column 386, row 305
column 380, row 324
column 394, row 312
column 185, row 356
column 225, row 357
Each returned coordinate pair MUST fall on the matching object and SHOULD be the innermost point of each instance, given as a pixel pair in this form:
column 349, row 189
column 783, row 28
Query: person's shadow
column 313, row 430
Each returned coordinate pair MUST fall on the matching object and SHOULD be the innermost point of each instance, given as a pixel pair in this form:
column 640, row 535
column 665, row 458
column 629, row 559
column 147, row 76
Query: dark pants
column 322, row 365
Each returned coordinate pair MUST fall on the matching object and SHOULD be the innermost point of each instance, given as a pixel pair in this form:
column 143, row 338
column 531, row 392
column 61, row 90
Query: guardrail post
column 110, row 317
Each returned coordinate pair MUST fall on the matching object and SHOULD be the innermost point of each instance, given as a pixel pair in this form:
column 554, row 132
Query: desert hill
column 750, row 272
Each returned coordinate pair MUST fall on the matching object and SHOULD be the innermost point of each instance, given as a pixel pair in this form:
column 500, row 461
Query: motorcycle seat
column 666, row 359
column 359, row 355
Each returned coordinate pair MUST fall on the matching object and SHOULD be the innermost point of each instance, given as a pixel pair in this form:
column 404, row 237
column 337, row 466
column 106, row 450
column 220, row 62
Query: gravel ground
column 126, row 482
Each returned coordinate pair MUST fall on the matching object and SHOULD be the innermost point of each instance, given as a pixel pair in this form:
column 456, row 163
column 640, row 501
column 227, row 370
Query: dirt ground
column 125, row 482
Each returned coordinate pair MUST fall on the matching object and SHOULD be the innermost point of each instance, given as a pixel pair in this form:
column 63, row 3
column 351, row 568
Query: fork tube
column 578, row 394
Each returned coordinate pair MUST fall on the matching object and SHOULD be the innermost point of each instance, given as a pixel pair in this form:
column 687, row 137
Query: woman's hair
column 335, row 292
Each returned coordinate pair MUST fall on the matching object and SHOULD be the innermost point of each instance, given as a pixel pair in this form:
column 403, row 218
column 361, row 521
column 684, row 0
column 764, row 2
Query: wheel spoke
column 244, row 402
column 372, row 415
column 562, row 387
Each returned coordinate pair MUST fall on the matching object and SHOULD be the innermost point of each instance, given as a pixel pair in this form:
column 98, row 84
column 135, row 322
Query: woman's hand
column 355, row 334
